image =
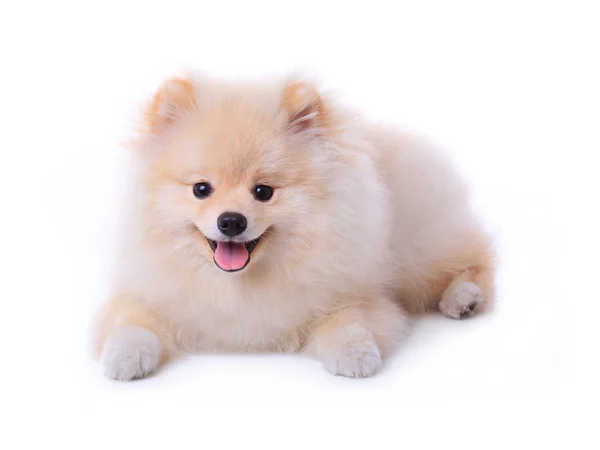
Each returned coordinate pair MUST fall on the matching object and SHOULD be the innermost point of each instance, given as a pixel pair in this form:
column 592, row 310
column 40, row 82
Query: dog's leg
column 130, row 342
column 352, row 341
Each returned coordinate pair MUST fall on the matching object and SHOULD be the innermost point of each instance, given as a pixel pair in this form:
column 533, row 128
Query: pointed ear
column 174, row 98
column 304, row 108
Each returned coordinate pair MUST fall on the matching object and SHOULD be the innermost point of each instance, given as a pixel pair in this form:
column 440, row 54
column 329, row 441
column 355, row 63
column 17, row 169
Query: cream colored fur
column 366, row 222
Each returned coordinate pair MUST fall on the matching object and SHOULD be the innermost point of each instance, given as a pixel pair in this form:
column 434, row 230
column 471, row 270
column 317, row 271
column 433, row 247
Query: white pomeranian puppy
column 264, row 217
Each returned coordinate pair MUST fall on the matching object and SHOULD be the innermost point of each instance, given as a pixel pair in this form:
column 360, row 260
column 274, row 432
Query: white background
column 510, row 88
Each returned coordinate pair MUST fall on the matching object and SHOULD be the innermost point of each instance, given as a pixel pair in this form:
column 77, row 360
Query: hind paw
column 461, row 300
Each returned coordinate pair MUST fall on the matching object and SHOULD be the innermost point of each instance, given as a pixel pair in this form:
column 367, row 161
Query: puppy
column 264, row 217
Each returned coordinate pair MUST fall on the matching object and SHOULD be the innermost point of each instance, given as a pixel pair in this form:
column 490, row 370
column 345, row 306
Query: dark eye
column 202, row 190
column 262, row 192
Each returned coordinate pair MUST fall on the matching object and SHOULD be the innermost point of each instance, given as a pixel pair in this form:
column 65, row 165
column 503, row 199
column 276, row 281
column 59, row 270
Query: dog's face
column 235, row 177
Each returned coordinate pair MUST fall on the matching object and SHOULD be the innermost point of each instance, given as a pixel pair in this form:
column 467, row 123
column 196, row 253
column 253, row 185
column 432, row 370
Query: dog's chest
column 234, row 318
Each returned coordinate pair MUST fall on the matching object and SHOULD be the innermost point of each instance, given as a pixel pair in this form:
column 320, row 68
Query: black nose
column 231, row 224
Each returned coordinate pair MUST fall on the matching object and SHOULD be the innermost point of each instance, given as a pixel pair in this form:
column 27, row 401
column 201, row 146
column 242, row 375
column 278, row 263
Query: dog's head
column 239, row 177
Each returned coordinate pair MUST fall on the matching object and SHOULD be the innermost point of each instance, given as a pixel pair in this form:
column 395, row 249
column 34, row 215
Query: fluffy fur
column 365, row 223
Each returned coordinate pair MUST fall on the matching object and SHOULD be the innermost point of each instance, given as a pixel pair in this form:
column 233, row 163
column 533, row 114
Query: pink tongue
column 231, row 255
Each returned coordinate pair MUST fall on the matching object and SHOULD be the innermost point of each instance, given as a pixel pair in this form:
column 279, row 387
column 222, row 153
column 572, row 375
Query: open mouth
column 232, row 256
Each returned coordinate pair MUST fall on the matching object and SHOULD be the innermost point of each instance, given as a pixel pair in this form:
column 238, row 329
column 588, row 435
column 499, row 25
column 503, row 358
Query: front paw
column 130, row 352
column 352, row 353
